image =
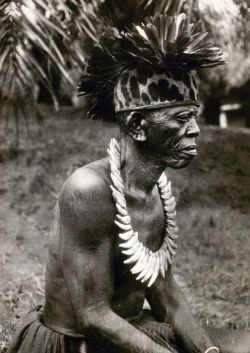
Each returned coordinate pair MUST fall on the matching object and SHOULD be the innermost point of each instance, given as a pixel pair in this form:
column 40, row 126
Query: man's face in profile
column 171, row 133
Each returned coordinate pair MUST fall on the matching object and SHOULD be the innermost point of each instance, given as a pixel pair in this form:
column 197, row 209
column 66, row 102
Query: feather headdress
column 160, row 42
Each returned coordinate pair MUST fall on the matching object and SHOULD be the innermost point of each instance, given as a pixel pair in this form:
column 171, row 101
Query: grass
column 213, row 202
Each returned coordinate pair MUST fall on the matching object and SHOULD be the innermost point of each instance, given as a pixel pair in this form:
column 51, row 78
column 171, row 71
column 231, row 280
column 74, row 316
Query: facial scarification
column 147, row 86
column 171, row 134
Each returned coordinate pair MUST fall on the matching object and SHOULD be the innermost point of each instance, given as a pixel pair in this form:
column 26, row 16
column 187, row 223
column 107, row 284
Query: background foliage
column 43, row 44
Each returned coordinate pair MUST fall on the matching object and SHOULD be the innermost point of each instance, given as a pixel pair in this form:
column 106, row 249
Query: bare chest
column 149, row 222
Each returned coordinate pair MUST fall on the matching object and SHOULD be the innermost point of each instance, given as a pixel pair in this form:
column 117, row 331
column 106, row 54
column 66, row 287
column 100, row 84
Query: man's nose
column 193, row 129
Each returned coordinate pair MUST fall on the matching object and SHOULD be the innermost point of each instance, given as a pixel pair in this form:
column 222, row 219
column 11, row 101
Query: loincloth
column 33, row 336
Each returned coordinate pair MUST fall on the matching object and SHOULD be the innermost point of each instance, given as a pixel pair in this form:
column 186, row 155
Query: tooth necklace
column 146, row 263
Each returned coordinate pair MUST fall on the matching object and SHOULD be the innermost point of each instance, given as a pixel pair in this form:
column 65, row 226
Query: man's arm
column 86, row 258
column 169, row 305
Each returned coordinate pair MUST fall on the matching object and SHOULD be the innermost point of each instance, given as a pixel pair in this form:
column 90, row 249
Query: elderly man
column 114, row 233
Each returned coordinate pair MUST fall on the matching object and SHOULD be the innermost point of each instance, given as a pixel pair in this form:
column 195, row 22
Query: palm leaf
column 22, row 29
column 226, row 23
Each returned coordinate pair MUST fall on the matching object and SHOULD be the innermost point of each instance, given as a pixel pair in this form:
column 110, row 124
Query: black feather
column 160, row 41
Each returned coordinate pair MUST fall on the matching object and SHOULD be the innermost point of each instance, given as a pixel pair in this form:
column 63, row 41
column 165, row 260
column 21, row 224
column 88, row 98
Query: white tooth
column 132, row 250
column 150, row 270
column 136, row 255
column 172, row 251
column 165, row 185
column 166, row 264
column 172, row 215
column 115, row 149
column 114, row 142
column 171, row 223
column 121, row 210
column 169, row 208
column 165, row 243
column 153, row 278
column 146, row 268
column 171, row 234
column 130, row 242
column 166, row 189
column 127, row 235
column 123, row 226
column 172, row 228
column 119, row 197
column 117, row 182
column 162, row 178
column 138, row 267
column 166, row 194
column 172, row 243
column 168, row 257
column 170, row 201
column 155, row 273
column 116, row 175
column 114, row 161
column 124, row 219
column 141, row 261
column 139, row 253
column 145, row 264
column 161, row 263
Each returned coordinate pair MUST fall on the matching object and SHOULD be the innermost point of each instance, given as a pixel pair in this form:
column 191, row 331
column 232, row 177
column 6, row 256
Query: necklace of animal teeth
column 146, row 264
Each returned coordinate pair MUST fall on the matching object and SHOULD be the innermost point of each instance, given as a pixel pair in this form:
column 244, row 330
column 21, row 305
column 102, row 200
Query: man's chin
column 180, row 163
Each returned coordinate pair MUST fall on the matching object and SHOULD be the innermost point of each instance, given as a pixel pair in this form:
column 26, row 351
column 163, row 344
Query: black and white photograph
column 125, row 176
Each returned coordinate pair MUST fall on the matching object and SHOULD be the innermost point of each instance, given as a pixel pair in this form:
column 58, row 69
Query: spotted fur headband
column 145, row 88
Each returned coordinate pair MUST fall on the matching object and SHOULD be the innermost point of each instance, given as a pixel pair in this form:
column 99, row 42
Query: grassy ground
column 213, row 203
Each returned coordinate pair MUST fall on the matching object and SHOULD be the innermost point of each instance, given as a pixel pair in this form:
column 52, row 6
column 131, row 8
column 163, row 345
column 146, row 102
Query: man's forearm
column 191, row 336
column 188, row 332
column 169, row 305
column 112, row 332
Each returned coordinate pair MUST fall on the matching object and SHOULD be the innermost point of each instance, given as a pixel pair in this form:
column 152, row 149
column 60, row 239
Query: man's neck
column 140, row 171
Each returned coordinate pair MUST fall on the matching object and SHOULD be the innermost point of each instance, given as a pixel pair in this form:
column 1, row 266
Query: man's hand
column 169, row 305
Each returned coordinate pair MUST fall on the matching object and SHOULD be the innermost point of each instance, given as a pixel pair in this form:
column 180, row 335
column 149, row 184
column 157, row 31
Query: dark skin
column 103, row 292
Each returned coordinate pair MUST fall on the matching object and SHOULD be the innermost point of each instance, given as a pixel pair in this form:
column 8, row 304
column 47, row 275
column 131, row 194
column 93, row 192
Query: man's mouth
column 186, row 151
column 191, row 150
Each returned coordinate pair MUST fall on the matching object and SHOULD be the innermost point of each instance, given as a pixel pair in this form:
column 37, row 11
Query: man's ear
column 135, row 126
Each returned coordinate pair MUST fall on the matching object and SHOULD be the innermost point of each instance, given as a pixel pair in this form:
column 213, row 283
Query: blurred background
column 44, row 138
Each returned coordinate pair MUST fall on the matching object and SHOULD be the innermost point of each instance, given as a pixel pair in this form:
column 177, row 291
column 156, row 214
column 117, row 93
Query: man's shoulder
column 88, row 185
column 91, row 177
column 86, row 206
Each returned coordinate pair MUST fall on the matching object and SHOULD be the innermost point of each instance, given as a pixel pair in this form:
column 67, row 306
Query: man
column 114, row 232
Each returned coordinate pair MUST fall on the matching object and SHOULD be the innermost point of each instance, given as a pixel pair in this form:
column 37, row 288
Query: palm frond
column 25, row 27
column 170, row 7
column 224, row 20
column 120, row 14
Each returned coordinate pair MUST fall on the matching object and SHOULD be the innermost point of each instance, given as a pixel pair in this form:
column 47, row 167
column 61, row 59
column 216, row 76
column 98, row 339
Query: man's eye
column 186, row 118
column 182, row 120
